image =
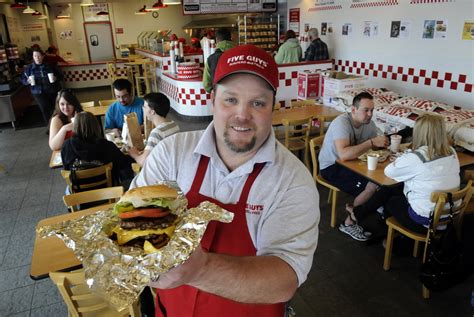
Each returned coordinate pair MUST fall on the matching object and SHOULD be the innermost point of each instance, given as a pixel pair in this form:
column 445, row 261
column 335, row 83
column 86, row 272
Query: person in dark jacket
column 317, row 49
column 87, row 144
column 44, row 80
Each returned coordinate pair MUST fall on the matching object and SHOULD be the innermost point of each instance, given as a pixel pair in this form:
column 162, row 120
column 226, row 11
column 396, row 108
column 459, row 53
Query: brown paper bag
column 134, row 131
column 148, row 127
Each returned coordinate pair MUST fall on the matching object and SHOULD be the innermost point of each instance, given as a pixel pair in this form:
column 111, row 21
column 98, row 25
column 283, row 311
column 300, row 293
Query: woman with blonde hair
column 431, row 165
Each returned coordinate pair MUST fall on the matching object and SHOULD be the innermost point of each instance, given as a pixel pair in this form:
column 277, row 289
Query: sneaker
column 355, row 231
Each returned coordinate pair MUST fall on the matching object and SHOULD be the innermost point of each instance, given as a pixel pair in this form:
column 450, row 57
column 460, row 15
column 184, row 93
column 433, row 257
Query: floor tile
column 16, row 300
column 45, row 294
column 55, row 310
column 15, row 278
column 17, row 255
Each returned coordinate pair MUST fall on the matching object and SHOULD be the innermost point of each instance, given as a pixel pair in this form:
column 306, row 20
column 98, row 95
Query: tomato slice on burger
column 145, row 212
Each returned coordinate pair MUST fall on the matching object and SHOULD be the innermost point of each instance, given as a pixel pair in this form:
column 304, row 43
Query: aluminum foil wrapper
column 119, row 274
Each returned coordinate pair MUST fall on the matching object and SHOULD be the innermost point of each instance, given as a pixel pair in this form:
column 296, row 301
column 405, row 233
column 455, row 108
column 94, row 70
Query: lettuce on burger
column 146, row 217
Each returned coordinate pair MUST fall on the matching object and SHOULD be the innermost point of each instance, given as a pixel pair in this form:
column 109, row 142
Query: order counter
column 189, row 99
column 86, row 75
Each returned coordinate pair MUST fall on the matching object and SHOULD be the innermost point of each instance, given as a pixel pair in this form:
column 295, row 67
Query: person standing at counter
column 290, row 51
column 252, row 266
column 155, row 109
column 44, row 81
column 60, row 128
column 52, row 56
column 224, row 42
column 126, row 103
column 317, row 49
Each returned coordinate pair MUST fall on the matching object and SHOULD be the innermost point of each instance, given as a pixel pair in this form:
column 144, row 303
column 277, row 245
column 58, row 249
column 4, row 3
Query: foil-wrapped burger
column 147, row 218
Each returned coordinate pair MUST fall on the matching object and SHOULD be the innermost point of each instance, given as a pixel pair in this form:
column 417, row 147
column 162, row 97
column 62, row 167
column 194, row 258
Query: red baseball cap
column 247, row 59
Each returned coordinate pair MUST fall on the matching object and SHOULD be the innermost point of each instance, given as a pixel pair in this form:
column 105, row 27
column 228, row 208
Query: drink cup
column 372, row 160
column 110, row 136
column 32, row 80
column 51, row 77
column 395, row 143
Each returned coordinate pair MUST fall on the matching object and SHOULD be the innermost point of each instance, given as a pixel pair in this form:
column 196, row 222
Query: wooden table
column 303, row 112
column 51, row 254
column 378, row 176
column 98, row 111
column 55, row 160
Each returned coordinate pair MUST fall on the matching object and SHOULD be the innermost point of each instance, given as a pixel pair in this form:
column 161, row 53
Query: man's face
column 147, row 110
column 38, row 58
column 242, row 113
column 123, row 96
column 363, row 114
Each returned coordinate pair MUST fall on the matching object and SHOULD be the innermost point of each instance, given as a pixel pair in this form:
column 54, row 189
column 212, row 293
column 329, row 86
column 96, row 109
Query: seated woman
column 60, row 127
column 87, row 144
column 432, row 165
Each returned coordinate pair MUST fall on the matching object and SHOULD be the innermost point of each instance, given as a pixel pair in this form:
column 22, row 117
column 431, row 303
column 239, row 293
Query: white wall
column 451, row 55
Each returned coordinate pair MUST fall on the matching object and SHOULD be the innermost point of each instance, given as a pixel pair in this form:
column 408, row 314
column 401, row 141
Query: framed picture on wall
column 97, row 12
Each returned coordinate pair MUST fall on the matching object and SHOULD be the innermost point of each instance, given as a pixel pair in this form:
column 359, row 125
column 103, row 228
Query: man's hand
column 133, row 152
column 185, row 273
column 380, row 141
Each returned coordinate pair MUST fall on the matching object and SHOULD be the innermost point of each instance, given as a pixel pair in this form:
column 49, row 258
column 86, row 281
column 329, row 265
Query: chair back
column 91, row 178
column 88, row 104
column 297, row 133
column 302, row 103
column 111, row 194
column 277, row 106
column 315, row 145
column 81, row 301
column 106, row 102
column 460, row 200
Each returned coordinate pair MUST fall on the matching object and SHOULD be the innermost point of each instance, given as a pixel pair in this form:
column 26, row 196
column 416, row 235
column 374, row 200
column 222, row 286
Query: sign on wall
column 228, row 6
column 90, row 12
column 435, row 29
column 27, row 27
column 295, row 20
column 468, row 30
column 320, row 5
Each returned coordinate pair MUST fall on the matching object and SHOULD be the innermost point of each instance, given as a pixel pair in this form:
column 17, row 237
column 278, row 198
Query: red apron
column 231, row 239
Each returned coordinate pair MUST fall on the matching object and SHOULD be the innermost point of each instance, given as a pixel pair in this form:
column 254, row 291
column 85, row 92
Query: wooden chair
column 315, row 145
column 277, row 106
column 87, row 104
column 440, row 209
column 147, row 78
column 297, row 136
column 106, row 102
column 302, row 103
column 113, row 75
column 112, row 194
column 81, row 301
column 101, row 177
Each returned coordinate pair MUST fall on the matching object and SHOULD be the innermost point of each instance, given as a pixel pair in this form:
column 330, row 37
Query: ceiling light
column 37, row 13
column 43, row 17
column 171, row 2
column 29, row 10
column 142, row 11
column 86, row 3
column 158, row 5
column 17, row 5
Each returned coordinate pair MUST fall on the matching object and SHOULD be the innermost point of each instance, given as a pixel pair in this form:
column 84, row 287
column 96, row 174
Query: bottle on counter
column 176, row 55
column 181, row 53
column 172, row 59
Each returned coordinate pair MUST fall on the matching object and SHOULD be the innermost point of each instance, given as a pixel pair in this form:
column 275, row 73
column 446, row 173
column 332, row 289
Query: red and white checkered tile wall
column 325, row 8
column 430, row 1
column 371, row 4
column 447, row 80
column 185, row 96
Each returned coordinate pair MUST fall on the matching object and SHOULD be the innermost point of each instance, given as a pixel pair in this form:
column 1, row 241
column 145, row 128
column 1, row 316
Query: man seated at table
column 126, row 103
column 155, row 108
column 349, row 136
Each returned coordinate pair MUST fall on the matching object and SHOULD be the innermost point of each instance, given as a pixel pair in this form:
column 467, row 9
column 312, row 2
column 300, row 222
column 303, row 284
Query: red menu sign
column 295, row 20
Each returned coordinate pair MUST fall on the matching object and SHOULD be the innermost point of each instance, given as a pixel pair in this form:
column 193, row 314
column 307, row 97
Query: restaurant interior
column 153, row 45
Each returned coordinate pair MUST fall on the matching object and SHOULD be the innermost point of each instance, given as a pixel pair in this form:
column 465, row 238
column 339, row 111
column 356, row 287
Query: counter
column 85, row 75
column 14, row 103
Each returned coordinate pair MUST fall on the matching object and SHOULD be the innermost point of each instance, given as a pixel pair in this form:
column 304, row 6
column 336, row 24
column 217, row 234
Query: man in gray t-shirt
column 349, row 136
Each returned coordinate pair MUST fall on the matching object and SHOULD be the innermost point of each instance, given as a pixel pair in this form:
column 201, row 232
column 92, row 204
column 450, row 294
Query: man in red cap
column 252, row 266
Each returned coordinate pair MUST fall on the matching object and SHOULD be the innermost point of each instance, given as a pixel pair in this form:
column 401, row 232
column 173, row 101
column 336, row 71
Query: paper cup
column 32, row 80
column 110, row 136
column 372, row 160
column 395, row 143
column 51, row 77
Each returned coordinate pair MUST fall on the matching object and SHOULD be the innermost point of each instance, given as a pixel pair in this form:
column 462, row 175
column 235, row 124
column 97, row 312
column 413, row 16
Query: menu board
column 228, row 6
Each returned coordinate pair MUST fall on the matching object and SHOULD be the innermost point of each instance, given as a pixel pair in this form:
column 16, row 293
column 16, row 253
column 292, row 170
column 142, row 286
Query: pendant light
column 87, row 3
column 17, row 5
column 142, row 11
column 157, row 6
column 28, row 10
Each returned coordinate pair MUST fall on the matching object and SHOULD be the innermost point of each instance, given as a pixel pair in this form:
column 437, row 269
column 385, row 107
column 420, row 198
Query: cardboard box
column 337, row 82
column 309, row 85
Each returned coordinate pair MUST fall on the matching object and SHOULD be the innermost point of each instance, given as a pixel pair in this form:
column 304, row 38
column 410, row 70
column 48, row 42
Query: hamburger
column 146, row 217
